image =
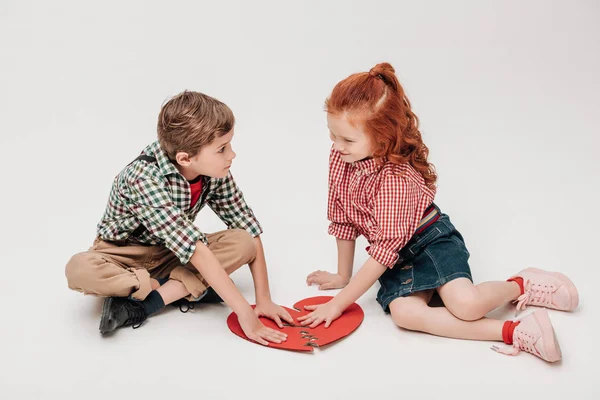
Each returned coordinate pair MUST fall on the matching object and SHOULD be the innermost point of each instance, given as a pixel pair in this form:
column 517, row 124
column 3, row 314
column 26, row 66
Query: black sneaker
column 120, row 311
column 211, row 297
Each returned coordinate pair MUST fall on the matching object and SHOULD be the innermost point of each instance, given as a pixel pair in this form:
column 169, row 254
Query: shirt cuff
column 250, row 224
column 343, row 232
column 183, row 238
column 383, row 256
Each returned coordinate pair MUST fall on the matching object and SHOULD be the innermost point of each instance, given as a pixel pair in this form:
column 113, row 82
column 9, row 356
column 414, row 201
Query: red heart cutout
column 303, row 338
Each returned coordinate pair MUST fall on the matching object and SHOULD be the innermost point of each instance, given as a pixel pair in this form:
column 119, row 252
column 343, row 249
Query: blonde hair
column 191, row 120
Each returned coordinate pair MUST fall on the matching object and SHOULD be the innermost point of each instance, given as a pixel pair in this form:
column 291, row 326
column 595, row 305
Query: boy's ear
column 182, row 158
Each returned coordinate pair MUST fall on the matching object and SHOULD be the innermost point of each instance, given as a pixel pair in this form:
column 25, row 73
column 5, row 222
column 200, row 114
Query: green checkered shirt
column 150, row 204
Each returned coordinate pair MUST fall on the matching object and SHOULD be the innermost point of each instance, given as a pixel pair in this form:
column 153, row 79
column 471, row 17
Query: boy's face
column 213, row 160
column 349, row 140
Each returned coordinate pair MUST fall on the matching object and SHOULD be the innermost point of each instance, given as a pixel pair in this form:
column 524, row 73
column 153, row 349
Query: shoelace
column 137, row 314
column 186, row 303
column 521, row 341
column 534, row 294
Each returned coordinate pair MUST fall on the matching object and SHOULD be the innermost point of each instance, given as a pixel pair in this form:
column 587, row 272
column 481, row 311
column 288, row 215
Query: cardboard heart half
column 303, row 338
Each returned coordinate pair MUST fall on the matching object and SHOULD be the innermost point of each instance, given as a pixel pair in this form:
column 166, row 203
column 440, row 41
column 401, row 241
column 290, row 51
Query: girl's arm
column 342, row 228
column 362, row 281
column 327, row 280
column 345, row 258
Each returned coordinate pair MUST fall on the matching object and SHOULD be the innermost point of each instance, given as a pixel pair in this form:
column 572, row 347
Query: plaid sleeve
column 340, row 226
column 227, row 201
column 152, row 204
column 399, row 206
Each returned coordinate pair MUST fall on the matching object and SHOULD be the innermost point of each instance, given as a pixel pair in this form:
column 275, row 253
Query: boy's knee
column 75, row 269
column 245, row 244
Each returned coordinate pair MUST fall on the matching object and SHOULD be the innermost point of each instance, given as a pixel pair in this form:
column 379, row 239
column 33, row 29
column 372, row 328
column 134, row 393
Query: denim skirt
column 429, row 260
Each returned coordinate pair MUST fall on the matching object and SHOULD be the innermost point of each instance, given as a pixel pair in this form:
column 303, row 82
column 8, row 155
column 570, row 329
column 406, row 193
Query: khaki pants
column 123, row 269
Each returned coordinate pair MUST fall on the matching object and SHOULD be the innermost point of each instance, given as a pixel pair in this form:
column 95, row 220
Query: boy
column 148, row 253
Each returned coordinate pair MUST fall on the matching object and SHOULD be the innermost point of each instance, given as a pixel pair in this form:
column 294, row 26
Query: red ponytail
column 377, row 100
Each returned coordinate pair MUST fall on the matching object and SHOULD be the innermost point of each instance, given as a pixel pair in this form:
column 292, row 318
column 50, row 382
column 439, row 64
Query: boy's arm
column 207, row 264
column 264, row 304
column 258, row 268
column 227, row 201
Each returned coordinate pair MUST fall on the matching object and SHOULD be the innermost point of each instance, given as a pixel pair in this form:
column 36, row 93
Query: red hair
column 377, row 101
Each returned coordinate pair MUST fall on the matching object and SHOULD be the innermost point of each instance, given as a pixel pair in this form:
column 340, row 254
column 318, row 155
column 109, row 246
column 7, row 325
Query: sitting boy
column 148, row 252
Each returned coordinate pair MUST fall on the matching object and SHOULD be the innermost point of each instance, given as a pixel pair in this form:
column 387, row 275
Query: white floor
column 507, row 93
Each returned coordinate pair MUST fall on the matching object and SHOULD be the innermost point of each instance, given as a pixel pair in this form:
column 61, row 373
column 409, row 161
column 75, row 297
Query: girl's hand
column 326, row 280
column 327, row 313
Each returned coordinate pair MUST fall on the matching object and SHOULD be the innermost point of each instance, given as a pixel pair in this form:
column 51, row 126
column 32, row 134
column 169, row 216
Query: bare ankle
column 154, row 284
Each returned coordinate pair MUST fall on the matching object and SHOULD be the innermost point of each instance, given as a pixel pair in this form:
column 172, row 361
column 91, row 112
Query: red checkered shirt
column 384, row 203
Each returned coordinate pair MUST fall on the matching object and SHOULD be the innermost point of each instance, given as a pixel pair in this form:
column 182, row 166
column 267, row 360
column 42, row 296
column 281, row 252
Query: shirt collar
column 367, row 166
column 165, row 165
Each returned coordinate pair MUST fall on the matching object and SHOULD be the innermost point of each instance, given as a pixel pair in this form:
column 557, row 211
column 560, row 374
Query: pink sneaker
column 535, row 335
column 547, row 289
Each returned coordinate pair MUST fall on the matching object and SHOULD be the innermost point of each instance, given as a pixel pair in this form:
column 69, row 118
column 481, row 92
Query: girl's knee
column 407, row 313
column 465, row 306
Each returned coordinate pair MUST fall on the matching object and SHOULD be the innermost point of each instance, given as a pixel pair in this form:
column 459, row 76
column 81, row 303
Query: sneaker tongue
column 542, row 296
column 136, row 313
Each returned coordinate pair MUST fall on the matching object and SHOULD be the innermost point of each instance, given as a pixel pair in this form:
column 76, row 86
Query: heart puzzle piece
column 303, row 338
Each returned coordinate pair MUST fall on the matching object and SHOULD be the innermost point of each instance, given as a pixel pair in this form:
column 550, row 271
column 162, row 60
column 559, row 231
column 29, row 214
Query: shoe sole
column 104, row 318
column 551, row 346
column 574, row 295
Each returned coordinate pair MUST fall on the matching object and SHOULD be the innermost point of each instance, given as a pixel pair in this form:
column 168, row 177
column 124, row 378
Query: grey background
column 507, row 93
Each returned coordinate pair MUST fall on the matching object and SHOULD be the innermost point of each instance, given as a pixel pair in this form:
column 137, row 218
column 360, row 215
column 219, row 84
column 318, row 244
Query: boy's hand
column 271, row 310
column 255, row 330
column 327, row 313
column 326, row 280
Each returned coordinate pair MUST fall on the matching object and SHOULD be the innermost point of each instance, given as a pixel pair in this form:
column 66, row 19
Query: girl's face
column 349, row 140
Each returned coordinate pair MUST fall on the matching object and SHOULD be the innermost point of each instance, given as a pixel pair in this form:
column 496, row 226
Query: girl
column 382, row 186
